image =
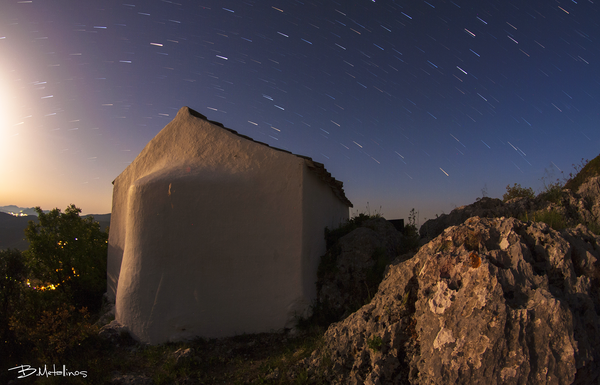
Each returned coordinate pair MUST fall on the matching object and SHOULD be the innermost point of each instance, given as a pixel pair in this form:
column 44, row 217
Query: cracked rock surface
column 491, row 301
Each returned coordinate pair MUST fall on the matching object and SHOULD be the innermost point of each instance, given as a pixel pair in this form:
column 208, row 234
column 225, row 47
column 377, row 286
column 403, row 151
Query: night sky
column 411, row 104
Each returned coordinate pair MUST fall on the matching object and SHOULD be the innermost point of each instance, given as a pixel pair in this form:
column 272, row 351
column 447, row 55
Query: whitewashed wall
column 215, row 235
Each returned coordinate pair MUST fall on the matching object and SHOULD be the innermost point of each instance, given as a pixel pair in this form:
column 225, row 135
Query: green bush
column 68, row 253
column 517, row 191
column 46, row 291
column 552, row 193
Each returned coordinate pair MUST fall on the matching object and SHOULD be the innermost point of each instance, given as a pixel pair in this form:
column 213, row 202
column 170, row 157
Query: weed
column 484, row 191
column 473, row 240
column 404, row 302
column 552, row 218
column 446, row 245
column 410, row 233
column 375, row 343
column 375, row 213
column 593, row 227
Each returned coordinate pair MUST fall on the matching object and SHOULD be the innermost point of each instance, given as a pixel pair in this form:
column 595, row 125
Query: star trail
column 424, row 104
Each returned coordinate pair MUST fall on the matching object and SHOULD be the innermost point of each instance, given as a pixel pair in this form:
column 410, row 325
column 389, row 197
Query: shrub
column 375, row 273
column 52, row 333
column 331, row 236
column 552, row 218
column 552, row 192
column 13, row 274
column 517, row 191
column 68, row 253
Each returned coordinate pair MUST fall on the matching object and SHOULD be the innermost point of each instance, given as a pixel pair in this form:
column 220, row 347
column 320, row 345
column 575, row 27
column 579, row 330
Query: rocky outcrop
column 590, row 192
column 492, row 301
column 115, row 333
column 353, row 268
column 582, row 206
column 484, row 208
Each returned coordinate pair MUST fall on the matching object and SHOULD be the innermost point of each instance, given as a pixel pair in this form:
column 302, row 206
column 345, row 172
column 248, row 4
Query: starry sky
column 411, row 104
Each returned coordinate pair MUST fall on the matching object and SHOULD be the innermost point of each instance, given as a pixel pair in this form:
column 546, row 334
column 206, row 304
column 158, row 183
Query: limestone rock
column 590, row 192
column 492, row 301
column 349, row 282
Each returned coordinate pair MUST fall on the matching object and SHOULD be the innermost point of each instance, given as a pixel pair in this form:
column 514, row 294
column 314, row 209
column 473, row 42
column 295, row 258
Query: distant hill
column 103, row 219
column 16, row 209
column 12, row 229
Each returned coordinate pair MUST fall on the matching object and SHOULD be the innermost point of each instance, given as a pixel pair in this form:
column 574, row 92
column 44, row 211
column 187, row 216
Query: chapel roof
column 316, row 167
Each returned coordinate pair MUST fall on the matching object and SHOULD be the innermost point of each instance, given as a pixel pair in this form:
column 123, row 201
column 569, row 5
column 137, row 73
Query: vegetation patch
column 375, row 273
column 517, row 191
column 586, row 170
column 552, row 218
column 332, row 236
column 375, row 343
column 410, row 235
column 552, row 193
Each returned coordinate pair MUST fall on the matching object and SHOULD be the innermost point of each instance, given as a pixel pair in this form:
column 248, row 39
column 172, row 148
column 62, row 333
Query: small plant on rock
column 375, row 343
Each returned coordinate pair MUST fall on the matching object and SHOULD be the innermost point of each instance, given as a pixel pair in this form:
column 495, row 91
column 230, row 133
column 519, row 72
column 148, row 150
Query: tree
column 68, row 253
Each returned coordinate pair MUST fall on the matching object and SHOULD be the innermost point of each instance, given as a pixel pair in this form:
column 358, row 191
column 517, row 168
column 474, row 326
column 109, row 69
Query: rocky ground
column 487, row 299
column 494, row 301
